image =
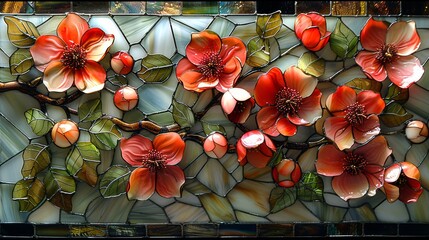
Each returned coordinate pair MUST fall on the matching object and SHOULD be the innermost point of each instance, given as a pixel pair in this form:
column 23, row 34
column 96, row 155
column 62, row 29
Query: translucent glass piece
column 16, row 7
column 205, row 7
column 229, row 162
column 163, row 119
column 245, row 32
column 46, row 213
column 156, row 98
column 83, row 196
column 135, row 27
column 49, row 27
column 307, row 159
column 182, row 35
column 392, row 212
column 418, row 153
column 195, row 187
column 222, row 26
column 249, row 196
column 416, row 102
column 286, row 7
column 101, row 210
column 218, row 208
column 137, row 52
column 415, row 209
column 189, row 198
column 184, row 96
column 117, row 7
column 348, row 7
column 384, row 7
column 10, row 171
column 322, row 7
column 257, row 174
column 67, row 218
column 424, row 80
column 424, row 172
column 216, row 178
column 9, row 212
column 245, row 217
column 161, row 201
column 180, row 212
column 164, row 8
column 109, row 26
column 159, row 37
column 363, row 214
column 237, row 7
column 12, row 141
column 294, row 213
column 198, row 22
column 53, row 7
column 325, row 212
column 147, row 212
column 90, row 6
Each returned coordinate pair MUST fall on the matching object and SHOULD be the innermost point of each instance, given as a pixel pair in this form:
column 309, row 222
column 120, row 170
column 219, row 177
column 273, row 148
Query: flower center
column 354, row 163
column 74, row 57
column 355, row 114
column 153, row 160
column 402, row 180
column 211, row 65
column 387, row 54
column 288, row 101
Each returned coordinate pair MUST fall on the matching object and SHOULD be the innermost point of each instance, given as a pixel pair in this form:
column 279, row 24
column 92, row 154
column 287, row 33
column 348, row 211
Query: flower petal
column 411, row 191
column 201, row 44
column 259, row 157
column 90, row 78
column 311, row 37
column 322, row 43
column 241, row 115
column 169, row 180
column 57, row 77
column 319, row 21
column 171, row 145
column 348, row 186
column 372, row 102
column 285, row 127
column 376, row 151
column 343, row 97
column 310, row 109
column 266, row 119
column 371, row 66
column 369, row 128
column 188, row 74
column 46, row 49
column 267, row 86
column 228, row 102
column 410, row 170
column 134, row 148
column 233, row 47
column 230, row 74
column 241, row 153
column 252, row 139
column 302, row 22
column 373, row 34
column 296, row 79
column 391, row 191
column 141, row 185
column 375, row 176
column 405, row 71
column 239, row 94
column 403, row 35
column 339, row 130
column 330, row 161
column 392, row 173
column 96, row 43
column 72, row 28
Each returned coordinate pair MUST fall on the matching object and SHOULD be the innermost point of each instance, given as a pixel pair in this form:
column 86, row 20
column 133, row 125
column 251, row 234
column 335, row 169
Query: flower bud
column 287, row 173
column 126, row 98
column 237, row 104
column 65, row 133
column 256, row 148
column 122, row 62
column 215, row 145
column 417, row 131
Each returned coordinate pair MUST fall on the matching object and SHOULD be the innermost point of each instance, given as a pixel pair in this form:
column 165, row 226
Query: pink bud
column 215, row 145
column 65, row 133
column 122, row 62
column 287, row 173
column 126, row 98
column 237, row 104
column 417, row 131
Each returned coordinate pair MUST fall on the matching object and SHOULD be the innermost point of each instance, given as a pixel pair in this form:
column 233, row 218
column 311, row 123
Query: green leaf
column 20, row 61
column 281, row 198
column 268, row 25
column 258, row 52
column 155, row 68
column 21, row 33
column 36, row 158
column 38, row 121
column 104, row 134
column 311, row 64
column 277, row 157
column 361, row 84
column 212, row 127
column 90, row 110
column 394, row 115
column 82, row 162
column 114, row 182
column 29, row 193
column 183, row 114
column 60, row 187
column 310, row 187
column 118, row 80
column 397, row 94
column 343, row 41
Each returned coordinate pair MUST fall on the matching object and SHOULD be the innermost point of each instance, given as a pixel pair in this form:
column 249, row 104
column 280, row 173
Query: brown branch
column 148, row 125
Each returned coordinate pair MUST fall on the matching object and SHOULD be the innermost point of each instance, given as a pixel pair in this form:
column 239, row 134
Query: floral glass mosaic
column 156, row 112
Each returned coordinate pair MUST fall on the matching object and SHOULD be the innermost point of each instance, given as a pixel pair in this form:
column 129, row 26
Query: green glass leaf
column 183, row 114
column 397, row 94
column 268, row 25
column 311, row 64
column 258, row 52
column 394, row 115
column 277, row 157
column 21, row 33
column 90, row 110
column 211, row 127
column 114, row 182
column 343, row 41
column 29, row 193
column 361, row 84
column 104, row 134
column 281, row 198
column 60, row 187
column 310, row 187
column 118, row 80
column 82, row 162
column 155, row 68
column 38, row 121
column 36, row 158
column 20, row 61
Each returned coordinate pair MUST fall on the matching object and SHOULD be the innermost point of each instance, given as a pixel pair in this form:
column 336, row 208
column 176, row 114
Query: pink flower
column 310, row 28
column 401, row 181
column 72, row 57
column 354, row 173
column 287, row 100
column 256, row 148
column 387, row 52
column 215, row 145
column 156, row 165
column 211, row 62
column 287, row 173
column 355, row 116
column 237, row 104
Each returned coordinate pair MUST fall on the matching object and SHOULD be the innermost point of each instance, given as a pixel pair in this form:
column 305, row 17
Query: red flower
column 256, row 148
column 355, row 173
column 287, row 173
column 155, row 162
column 401, row 181
column 354, row 116
column 72, row 56
column 286, row 101
column 387, row 52
column 211, row 62
column 237, row 104
column 310, row 28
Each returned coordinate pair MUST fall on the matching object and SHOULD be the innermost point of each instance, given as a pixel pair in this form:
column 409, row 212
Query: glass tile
column 275, row 230
column 200, row 230
column 16, row 229
column 344, row 229
column 53, row 7
column 164, row 8
column 50, row 230
column 88, row 231
column 171, row 230
column 242, row 230
column 190, row 7
column 127, row 7
column 415, row 7
column 323, row 7
column 380, row 229
column 313, row 230
column 16, row 7
column 134, row 230
column 237, row 7
column 413, row 229
column 349, row 7
column 286, row 7
column 384, row 7
column 90, row 7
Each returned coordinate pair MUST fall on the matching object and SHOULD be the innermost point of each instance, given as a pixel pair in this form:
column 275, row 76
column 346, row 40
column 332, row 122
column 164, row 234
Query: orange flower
column 401, row 181
column 310, row 28
column 256, row 148
column 72, row 56
column 155, row 162
column 355, row 116
column 211, row 62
